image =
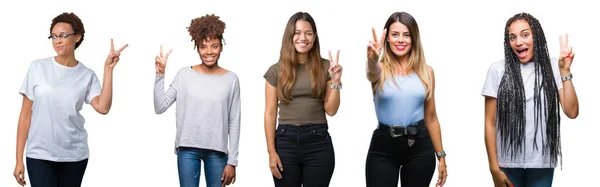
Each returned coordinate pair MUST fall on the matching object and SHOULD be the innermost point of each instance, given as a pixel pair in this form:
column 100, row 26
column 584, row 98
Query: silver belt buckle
column 394, row 135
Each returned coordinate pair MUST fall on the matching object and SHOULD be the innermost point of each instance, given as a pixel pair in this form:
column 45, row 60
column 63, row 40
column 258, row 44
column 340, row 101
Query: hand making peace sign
column 375, row 46
column 566, row 53
column 161, row 61
column 335, row 70
column 113, row 56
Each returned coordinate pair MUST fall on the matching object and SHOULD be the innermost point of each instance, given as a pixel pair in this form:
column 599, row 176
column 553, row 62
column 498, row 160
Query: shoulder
column 233, row 76
column 273, row 69
column 40, row 63
column 429, row 69
column 498, row 65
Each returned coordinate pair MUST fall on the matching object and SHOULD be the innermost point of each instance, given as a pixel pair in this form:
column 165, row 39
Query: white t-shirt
column 533, row 157
column 58, row 92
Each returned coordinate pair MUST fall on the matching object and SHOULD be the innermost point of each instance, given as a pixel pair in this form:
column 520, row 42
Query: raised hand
column 161, row 61
column 335, row 70
column 375, row 46
column 566, row 54
column 113, row 56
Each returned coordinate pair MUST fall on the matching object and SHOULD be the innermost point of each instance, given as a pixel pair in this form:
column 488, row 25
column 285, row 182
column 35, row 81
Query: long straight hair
column 288, row 61
column 416, row 58
column 511, row 113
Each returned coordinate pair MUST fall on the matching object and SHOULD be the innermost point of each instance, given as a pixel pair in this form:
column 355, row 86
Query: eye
column 395, row 35
column 406, row 34
column 215, row 47
column 202, row 47
column 310, row 34
column 511, row 38
column 525, row 35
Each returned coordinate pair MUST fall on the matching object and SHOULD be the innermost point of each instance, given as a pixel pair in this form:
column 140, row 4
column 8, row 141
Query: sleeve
column 234, row 125
column 556, row 71
column 29, row 83
column 93, row 89
column 271, row 75
column 163, row 100
column 492, row 81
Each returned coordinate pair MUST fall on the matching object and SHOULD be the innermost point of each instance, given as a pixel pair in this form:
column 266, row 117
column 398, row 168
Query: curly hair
column 74, row 21
column 206, row 27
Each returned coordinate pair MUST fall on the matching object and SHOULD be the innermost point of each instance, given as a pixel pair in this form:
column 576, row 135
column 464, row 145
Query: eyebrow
column 521, row 31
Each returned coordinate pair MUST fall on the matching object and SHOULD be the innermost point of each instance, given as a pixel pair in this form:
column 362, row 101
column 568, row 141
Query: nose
column 210, row 50
column 519, row 41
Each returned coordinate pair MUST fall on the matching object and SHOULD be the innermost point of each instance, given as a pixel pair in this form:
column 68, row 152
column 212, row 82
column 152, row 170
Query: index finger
column 122, row 48
column 382, row 40
column 561, row 42
column 330, row 59
column 374, row 34
column 161, row 47
column 112, row 45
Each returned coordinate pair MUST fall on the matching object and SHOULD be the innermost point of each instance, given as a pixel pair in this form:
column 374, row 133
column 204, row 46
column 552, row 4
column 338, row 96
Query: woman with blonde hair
column 408, row 133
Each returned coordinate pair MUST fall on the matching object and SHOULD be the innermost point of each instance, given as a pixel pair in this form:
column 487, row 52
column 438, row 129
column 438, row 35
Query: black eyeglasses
column 63, row 36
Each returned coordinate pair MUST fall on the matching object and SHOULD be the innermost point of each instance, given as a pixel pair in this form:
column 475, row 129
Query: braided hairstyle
column 511, row 107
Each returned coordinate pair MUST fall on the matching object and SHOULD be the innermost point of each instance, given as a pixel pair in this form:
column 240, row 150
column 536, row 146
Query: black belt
column 412, row 130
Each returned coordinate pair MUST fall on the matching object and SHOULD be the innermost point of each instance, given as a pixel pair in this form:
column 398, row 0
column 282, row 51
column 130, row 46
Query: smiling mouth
column 302, row 44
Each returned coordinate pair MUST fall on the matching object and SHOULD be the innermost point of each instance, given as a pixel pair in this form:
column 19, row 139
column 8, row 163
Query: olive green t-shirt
column 304, row 108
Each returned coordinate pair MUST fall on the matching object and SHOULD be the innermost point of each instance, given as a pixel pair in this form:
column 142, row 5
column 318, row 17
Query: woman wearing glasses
column 54, row 91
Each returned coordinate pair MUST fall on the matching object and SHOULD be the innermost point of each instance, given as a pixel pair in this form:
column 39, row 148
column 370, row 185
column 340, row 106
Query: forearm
column 436, row 135
column 105, row 98
column 570, row 102
column 373, row 70
column 332, row 103
column 22, row 134
column 234, row 140
column 270, row 119
column 162, row 100
column 490, row 145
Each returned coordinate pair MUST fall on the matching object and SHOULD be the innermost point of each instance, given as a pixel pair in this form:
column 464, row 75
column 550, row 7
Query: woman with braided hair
column 208, row 108
column 522, row 94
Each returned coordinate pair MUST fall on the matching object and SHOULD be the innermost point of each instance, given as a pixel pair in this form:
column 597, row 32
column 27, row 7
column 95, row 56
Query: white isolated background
column 132, row 146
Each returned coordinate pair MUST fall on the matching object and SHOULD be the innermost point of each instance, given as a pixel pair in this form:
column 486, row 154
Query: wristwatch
column 336, row 86
column 440, row 154
column 566, row 78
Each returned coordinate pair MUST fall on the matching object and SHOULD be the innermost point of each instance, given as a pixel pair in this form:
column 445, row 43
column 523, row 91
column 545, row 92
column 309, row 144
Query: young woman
column 522, row 115
column 403, row 86
column 208, row 108
column 304, row 87
column 54, row 91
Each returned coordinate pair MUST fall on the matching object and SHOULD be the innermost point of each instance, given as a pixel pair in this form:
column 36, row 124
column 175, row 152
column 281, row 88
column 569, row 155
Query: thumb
column 223, row 175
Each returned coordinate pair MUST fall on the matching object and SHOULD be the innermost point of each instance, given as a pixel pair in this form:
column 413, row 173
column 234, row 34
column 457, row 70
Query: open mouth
column 522, row 52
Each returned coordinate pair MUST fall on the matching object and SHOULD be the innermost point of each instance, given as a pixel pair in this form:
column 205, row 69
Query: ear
column 77, row 38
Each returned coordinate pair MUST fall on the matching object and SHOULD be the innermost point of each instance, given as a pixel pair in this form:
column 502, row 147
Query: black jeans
column 307, row 155
column 43, row 173
column 390, row 157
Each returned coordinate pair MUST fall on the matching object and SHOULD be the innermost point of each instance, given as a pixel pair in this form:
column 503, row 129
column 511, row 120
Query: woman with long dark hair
column 523, row 94
column 304, row 87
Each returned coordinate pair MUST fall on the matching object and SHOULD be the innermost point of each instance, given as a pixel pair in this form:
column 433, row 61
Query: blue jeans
column 530, row 177
column 189, row 163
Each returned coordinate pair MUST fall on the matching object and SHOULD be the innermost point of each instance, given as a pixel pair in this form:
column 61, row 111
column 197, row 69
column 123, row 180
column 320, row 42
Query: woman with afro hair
column 523, row 95
column 50, row 123
column 208, row 108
